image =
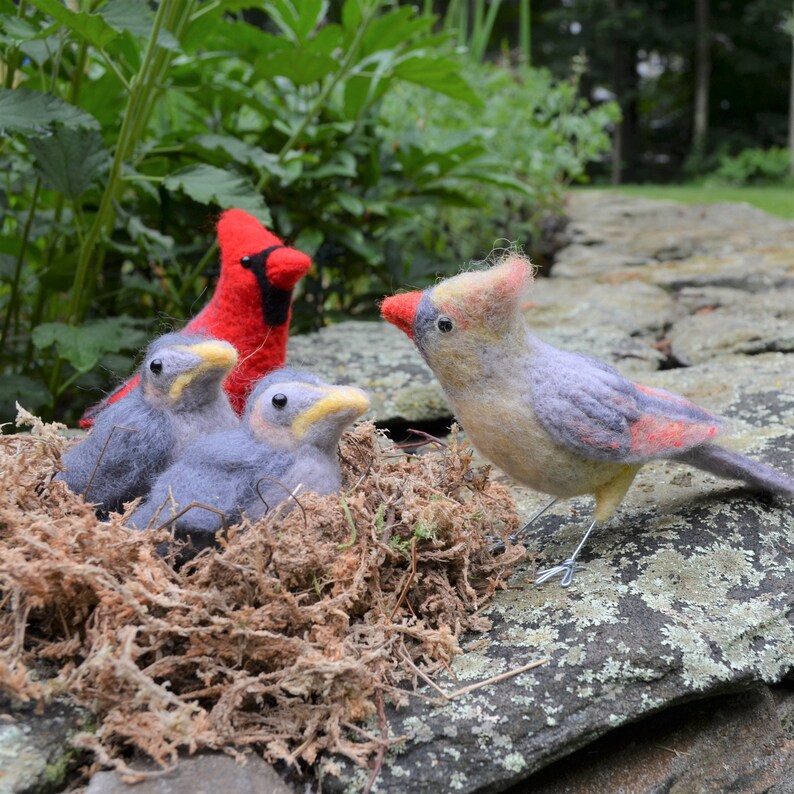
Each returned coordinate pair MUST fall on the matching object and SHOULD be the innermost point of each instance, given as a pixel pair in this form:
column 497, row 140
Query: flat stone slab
column 206, row 773
column 688, row 593
column 611, row 233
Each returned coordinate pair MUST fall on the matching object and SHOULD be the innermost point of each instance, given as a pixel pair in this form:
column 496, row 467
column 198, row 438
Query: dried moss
column 285, row 639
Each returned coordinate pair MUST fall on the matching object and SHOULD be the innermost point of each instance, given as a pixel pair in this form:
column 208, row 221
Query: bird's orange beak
column 286, row 267
column 400, row 310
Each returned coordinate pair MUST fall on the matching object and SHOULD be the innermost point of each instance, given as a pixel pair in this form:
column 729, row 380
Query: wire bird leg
column 497, row 544
column 567, row 568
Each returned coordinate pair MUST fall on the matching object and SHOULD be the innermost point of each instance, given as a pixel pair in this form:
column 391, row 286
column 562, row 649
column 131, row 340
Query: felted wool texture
column 160, row 427
column 130, row 461
column 251, row 305
column 253, row 469
column 557, row 421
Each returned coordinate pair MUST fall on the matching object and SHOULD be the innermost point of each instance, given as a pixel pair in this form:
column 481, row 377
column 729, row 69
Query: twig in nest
column 408, row 584
column 428, row 439
column 102, row 454
column 384, row 732
column 290, row 494
column 201, row 506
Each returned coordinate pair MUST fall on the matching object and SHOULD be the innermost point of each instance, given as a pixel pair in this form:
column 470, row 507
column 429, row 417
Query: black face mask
column 275, row 301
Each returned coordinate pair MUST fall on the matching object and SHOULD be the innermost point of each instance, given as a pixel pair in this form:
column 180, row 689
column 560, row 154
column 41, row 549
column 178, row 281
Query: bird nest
column 289, row 638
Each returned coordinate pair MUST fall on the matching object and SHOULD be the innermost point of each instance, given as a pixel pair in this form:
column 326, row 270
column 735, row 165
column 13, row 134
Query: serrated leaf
column 241, row 152
column 88, row 27
column 70, row 160
column 209, row 185
column 83, row 346
column 33, row 113
column 18, row 29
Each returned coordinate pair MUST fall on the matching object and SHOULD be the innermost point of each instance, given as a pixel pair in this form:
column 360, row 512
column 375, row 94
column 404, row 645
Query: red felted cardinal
column 251, row 306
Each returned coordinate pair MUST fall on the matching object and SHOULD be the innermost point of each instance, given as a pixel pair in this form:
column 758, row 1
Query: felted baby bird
column 288, row 437
column 179, row 398
column 560, row 422
column 250, row 308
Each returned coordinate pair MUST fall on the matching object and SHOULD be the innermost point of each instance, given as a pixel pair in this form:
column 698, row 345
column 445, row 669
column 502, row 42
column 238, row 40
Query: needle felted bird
column 560, row 422
column 180, row 396
column 288, row 437
column 251, row 305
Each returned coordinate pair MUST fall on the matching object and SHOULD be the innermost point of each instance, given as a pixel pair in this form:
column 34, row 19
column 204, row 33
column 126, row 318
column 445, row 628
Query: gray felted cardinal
column 288, row 437
column 181, row 397
column 560, row 422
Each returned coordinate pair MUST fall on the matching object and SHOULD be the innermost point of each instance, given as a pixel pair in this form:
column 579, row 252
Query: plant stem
column 319, row 101
column 13, row 302
column 133, row 120
column 524, row 30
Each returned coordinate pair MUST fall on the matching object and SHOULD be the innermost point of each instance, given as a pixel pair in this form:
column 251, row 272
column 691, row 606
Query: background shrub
column 362, row 136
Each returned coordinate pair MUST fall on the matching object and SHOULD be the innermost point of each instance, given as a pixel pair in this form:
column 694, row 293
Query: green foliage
column 754, row 166
column 536, row 137
column 126, row 126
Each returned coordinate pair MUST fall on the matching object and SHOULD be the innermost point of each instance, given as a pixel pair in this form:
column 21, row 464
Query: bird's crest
column 485, row 296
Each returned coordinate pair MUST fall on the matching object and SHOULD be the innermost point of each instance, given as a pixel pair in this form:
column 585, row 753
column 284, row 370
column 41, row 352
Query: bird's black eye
column 246, row 261
column 279, row 400
column 156, row 366
column 444, row 324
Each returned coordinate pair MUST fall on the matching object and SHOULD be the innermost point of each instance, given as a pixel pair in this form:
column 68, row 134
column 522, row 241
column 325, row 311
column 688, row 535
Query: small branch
column 497, row 678
column 102, row 454
column 408, row 584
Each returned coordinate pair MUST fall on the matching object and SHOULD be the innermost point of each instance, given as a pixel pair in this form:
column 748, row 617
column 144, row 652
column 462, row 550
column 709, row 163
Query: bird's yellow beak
column 213, row 354
column 339, row 399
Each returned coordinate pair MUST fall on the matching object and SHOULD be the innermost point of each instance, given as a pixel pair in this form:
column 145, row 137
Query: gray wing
column 589, row 408
column 113, row 464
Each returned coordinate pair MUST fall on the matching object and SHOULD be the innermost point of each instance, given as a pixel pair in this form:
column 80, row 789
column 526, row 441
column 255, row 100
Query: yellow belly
column 518, row 444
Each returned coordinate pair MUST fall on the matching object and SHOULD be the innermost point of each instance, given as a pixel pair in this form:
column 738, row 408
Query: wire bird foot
column 498, row 545
column 567, row 569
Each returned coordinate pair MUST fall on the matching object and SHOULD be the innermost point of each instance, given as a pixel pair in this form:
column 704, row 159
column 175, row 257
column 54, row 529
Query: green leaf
column 209, row 185
column 309, row 240
column 394, row 29
column 301, row 67
column 33, row 113
column 241, row 152
column 29, row 393
column 83, row 346
column 88, row 27
column 18, row 28
column 297, row 19
column 136, row 17
column 352, row 14
column 439, row 74
column 350, row 203
column 70, row 160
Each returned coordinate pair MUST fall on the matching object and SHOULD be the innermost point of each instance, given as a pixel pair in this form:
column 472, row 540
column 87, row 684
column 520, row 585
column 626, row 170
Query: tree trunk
column 625, row 87
column 700, row 126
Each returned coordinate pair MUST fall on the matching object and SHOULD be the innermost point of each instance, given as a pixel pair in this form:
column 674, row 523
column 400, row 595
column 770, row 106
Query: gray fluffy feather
column 238, row 473
column 132, row 460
